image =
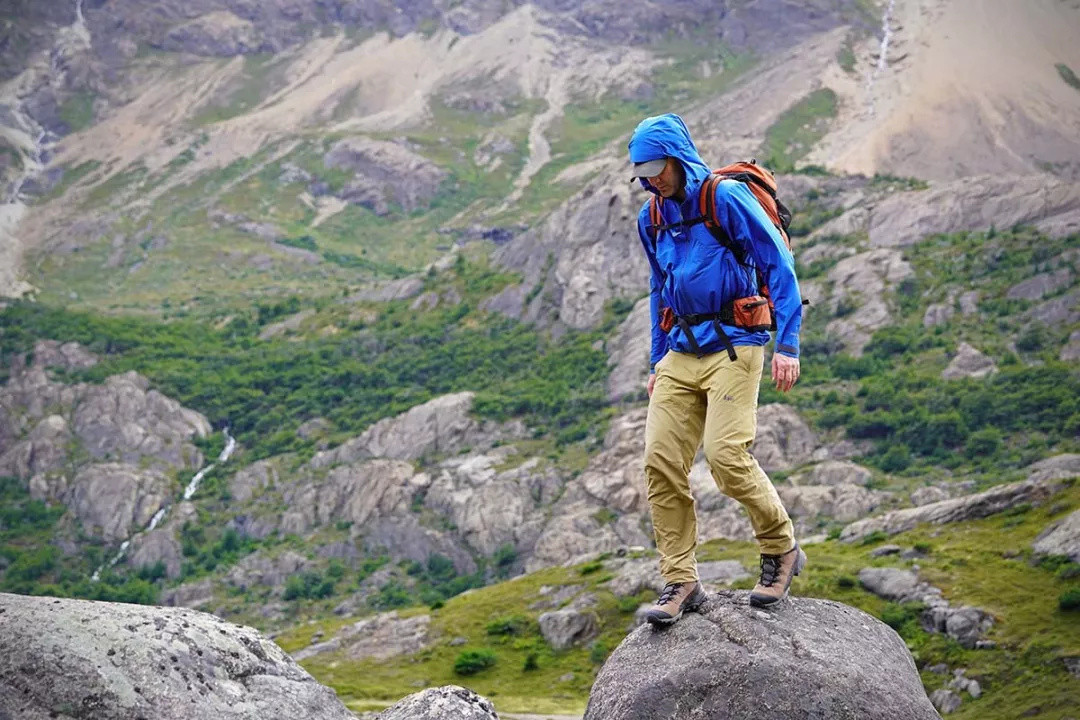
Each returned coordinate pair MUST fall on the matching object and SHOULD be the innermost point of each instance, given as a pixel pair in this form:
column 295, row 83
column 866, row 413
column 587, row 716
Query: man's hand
column 650, row 383
column 785, row 371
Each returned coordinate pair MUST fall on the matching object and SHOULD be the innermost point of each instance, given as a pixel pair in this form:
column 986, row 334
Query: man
column 704, row 377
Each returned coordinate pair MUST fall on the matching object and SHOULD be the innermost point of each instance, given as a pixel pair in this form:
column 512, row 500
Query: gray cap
column 648, row 169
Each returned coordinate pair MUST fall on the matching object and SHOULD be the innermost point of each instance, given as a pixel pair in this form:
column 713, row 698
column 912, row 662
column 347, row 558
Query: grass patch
column 794, row 133
column 77, row 111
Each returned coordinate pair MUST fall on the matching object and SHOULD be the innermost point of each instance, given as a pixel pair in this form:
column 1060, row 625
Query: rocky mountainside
column 333, row 311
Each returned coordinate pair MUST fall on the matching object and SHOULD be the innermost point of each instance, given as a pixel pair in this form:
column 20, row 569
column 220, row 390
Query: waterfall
column 226, row 453
column 883, row 55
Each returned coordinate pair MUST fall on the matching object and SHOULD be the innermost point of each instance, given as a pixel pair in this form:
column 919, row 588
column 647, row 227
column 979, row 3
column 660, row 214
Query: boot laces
column 770, row 569
column 670, row 591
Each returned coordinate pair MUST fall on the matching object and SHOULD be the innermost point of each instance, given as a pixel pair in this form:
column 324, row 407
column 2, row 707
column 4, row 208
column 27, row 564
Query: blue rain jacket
column 692, row 273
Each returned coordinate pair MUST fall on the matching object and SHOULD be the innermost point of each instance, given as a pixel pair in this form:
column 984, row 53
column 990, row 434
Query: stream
column 189, row 492
column 883, row 56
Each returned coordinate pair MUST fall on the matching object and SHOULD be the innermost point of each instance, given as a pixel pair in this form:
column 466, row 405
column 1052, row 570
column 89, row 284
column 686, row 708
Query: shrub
column 531, row 663
column 983, row 443
column 876, row 536
column 845, row 582
column 598, row 652
column 590, row 568
column 896, row 458
column 516, row 625
column 1070, row 600
column 470, row 662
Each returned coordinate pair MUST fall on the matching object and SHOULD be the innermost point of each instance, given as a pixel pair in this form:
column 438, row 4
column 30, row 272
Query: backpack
column 756, row 312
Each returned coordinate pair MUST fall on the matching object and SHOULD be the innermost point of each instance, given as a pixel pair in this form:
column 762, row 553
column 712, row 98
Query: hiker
column 707, row 355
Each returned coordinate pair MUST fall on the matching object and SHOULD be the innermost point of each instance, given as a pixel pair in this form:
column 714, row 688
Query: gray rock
column 840, row 502
column 386, row 172
column 1058, row 467
column 885, row 550
column 289, row 324
column 113, row 500
column 1041, row 285
column 835, row 472
column 380, row 638
column 927, row 495
column 442, row 425
column 130, row 661
column 721, row 572
column 1043, row 483
column 784, row 440
column 400, row 289
column 863, row 281
column 191, row 595
column 968, row 363
column 449, row 702
column 262, row 570
column 946, row 701
column 892, row 583
column 1071, row 350
column 1060, row 311
column 967, row 624
column 937, row 314
column 216, row 33
column 562, row 629
column 969, row 302
column 628, row 354
column 157, row 546
column 1060, row 538
column 715, row 662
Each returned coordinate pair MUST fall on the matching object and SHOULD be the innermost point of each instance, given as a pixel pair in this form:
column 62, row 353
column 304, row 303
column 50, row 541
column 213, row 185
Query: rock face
column 442, row 425
column 861, row 281
column 628, row 354
column 384, row 173
column 1039, row 486
column 75, row 658
column 726, row 660
column 449, row 702
column 783, row 439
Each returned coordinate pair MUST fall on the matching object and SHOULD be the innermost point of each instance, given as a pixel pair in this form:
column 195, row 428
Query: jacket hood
column 666, row 136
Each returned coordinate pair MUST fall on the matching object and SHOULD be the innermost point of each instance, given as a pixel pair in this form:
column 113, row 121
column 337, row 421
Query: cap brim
column 649, row 169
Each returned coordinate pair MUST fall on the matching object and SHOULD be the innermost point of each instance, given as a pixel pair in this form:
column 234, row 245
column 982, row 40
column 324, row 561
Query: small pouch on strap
column 667, row 319
column 753, row 313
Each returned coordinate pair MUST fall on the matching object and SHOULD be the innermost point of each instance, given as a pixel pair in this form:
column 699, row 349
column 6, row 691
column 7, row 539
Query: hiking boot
column 674, row 600
column 776, row 574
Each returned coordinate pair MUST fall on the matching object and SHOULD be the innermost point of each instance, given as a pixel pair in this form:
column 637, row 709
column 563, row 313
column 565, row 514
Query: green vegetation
column 77, row 111
column 265, row 389
column 470, row 662
column 794, row 133
column 1068, row 75
column 845, row 56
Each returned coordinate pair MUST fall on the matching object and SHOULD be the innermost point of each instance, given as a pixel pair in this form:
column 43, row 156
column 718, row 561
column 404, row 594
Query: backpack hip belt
column 752, row 313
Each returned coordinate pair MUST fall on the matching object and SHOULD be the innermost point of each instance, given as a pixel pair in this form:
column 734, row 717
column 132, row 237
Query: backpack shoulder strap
column 656, row 219
column 707, row 202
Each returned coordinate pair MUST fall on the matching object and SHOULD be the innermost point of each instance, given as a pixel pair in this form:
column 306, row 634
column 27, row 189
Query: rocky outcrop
column 442, row 425
column 385, row 173
column 563, row 629
column 966, row 624
column 628, row 354
column 122, row 420
column 1044, row 480
column 784, row 440
column 449, row 702
column 217, row 33
column 843, row 502
column 74, row 658
column 1039, row 286
column 862, row 281
column 968, row 363
column 1060, row 538
column 380, row 638
column 260, row 570
column 715, row 663
column 976, row 203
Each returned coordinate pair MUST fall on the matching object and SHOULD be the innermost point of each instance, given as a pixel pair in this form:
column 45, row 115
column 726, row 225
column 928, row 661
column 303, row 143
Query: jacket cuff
column 789, row 350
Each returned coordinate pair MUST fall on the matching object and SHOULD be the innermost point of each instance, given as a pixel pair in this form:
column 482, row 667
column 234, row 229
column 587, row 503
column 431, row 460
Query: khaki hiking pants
column 714, row 399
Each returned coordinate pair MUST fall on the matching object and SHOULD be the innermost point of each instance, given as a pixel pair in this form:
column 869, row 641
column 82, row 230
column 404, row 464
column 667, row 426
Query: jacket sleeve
column 659, row 345
column 747, row 224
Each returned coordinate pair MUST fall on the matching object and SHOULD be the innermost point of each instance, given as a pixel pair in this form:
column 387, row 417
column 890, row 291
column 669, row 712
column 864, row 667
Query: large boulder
column 807, row 659
column 449, row 702
column 1060, row 538
column 82, row 659
column 381, row 637
column 968, row 363
column 562, row 629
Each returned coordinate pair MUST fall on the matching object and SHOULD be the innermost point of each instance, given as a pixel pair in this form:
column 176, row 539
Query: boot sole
column 691, row 605
column 766, row 601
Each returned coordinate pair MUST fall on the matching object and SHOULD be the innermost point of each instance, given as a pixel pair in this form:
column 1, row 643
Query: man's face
column 670, row 180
